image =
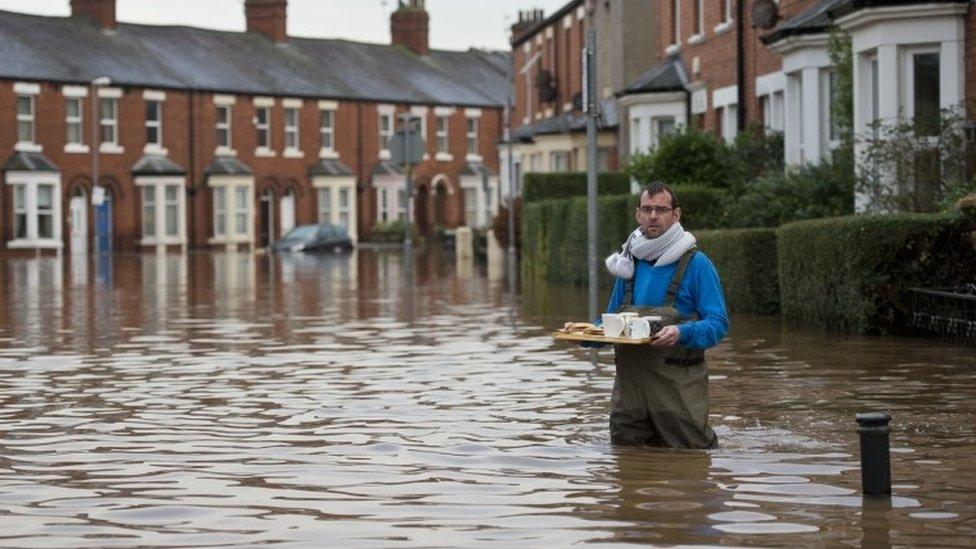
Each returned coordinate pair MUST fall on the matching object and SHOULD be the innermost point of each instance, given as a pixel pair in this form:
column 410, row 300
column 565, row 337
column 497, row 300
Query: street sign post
column 407, row 149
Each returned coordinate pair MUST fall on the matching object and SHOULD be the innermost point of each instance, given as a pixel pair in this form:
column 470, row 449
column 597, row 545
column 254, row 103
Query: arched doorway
column 266, row 219
column 421, row 214
column 442, row 190
column 104, row 212
column 78, row 221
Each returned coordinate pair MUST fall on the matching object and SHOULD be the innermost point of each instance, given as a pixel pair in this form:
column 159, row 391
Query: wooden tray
column 563, row 336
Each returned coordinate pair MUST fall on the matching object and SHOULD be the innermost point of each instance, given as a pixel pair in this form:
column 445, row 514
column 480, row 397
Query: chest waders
column 660, row 394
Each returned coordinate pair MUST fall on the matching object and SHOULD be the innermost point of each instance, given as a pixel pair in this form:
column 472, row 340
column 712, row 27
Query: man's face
column 655, row 215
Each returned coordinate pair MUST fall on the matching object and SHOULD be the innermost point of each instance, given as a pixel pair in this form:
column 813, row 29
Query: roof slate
column 329, row 167
column 227, row 165
column 72, row 50
column 568, row 122
column 28, row 162
column 668, row 75
column 156, row 165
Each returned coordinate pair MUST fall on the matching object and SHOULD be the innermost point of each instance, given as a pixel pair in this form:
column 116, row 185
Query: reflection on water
column 375, row 399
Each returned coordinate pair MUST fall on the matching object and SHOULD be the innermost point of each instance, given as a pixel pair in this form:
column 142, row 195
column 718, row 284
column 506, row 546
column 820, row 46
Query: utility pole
column 590, row 103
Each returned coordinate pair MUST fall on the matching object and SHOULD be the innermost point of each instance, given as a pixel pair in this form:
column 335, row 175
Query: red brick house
column 210, row 138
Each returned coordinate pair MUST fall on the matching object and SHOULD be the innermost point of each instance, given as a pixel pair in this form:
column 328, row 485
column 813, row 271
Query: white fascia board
column 723, row 97
column 144, row 180
column 25, row 178
column 770, row 83
column 334, row 181
column 911, row 13
column 806, row 58
column 230, row 181
column 644, row 98
column 791, row 43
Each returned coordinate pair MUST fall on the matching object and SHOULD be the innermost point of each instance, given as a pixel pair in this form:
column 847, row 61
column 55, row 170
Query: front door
column 79, row 224
column 287, row 218
column 103, row 224
column 267, row 219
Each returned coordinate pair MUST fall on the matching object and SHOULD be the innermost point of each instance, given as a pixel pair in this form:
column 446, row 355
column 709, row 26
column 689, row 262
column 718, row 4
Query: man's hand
column 667, row 337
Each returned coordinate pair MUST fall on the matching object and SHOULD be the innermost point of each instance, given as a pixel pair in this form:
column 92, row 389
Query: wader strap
column 629, row 285
column 678, row 275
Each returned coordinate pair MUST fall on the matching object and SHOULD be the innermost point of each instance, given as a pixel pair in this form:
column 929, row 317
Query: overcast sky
column 454, row 24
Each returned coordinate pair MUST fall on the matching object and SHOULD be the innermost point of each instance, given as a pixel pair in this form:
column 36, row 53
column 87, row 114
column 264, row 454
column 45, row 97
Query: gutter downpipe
column 741, row 62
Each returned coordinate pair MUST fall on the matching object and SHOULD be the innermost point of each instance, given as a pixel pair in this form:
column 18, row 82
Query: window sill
column 293, row 153
column 265, row 153
column 696, row 38
column 723, row 27
column 385, row 154
column 672, row 49
column 155, row 150
column 167, row 241
column 473, row 157
column 232, row 239
column 330, row 154
column 24, row 146
column 110, row 148
column 225, row 151
column 444, row 157
column 76, row 148
column 40, row 243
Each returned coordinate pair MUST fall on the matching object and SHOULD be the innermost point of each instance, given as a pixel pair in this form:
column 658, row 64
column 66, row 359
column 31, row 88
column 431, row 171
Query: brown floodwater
column 235, row 399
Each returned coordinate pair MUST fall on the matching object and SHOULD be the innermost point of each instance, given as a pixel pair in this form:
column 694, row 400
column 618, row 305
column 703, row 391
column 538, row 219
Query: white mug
column 638, row 328
column 613, row 325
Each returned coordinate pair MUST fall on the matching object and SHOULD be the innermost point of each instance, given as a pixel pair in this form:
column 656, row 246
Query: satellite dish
column 765, row 14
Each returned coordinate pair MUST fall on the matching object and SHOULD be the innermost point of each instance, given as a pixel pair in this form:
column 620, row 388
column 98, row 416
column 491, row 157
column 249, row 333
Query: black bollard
column 875, row 454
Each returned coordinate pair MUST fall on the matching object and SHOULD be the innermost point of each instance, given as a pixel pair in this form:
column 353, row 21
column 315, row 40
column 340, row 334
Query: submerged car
column 323, row 237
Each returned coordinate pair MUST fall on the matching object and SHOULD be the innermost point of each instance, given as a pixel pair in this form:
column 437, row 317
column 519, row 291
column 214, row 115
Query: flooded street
column 230, row 399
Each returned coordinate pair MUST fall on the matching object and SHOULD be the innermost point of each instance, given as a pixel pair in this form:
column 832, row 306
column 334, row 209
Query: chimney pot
column 410, row 27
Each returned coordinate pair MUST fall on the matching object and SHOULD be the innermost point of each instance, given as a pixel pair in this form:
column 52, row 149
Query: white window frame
column 675, row 45
column 110, row 96
column 231, row 184
column 325, row 207
column 384, row 209
column 442, row 137
column 157, row 147
column 908, row 54
column 384, row 135
column 726, row 23
column 826, row 110
column 227, row 148
column 344, row 216
column 263, row 149
column 292, row 133
column 242, row 208
column 157, row 185
column 29, row 145
column 327, row 132
column 30, row 182
column 471, row 136
column 727, row 100
column 79, row 94
column 699, row 33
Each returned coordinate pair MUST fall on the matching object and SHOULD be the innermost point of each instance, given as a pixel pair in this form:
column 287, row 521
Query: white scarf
column 663, row 250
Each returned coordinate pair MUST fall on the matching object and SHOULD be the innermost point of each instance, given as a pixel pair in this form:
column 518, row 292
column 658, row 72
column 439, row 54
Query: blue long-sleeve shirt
column 700, row 292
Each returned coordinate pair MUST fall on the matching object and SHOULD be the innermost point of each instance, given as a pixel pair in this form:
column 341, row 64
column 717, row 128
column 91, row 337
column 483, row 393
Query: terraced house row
column 203, row 138
column 721, row 65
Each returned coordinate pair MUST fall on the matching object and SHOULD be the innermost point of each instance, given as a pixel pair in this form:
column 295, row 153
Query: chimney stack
column 100, row 12
column 268, row 17
column 526, row 20
column 409, row 26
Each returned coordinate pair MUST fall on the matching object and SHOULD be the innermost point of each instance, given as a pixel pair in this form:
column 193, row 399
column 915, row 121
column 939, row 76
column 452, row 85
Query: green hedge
column 746, row 263
column 848, row 273
column 701, row 207
column 545, row 186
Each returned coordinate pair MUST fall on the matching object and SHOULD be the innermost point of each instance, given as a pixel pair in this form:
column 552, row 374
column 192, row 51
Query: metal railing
column 944, row 312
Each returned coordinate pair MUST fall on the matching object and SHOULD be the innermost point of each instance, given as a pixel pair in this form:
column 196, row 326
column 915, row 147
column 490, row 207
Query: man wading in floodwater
column 660, row 394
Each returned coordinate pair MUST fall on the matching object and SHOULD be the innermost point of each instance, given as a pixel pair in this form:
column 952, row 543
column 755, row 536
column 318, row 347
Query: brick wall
column 356, row 140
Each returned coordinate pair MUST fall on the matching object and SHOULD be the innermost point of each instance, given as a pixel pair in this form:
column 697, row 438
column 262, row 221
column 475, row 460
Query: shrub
column 746, row 263
column 392, row 231
column 543, row 186
column 686, row 157
column 809, row 192
column 848, row 273
column 701, row 207
column 757, row 152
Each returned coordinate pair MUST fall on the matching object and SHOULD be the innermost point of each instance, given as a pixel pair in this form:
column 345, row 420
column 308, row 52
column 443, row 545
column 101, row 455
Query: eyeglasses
column 659, row 210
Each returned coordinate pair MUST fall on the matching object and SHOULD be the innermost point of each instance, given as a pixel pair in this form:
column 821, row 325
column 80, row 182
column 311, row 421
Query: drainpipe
column 360, row 218
column 740, row 52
